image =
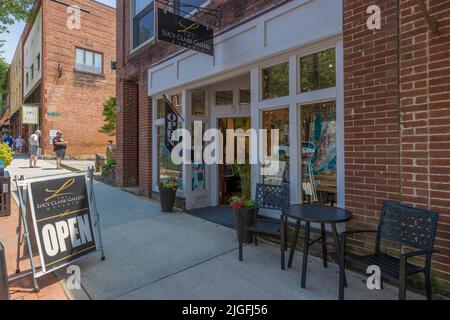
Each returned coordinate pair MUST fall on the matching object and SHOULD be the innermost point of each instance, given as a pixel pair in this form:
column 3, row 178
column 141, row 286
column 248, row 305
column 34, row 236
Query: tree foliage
column 109, row 114
column 13, row 10
column 3, row 77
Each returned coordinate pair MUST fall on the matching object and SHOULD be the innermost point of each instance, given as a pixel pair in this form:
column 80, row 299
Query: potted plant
column 244, row 207
column 6, row 157
column 168, row 192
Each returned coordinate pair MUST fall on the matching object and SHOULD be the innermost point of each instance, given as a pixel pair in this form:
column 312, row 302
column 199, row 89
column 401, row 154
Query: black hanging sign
column 186, row 33
column 171, row 123
column 62, row 220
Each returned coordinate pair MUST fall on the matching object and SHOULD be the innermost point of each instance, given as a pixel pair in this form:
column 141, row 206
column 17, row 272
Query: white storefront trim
column 323, row 33
column 291, row 26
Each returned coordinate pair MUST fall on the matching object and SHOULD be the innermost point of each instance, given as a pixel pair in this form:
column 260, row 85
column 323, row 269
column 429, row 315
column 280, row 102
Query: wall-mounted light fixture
column 59, row 70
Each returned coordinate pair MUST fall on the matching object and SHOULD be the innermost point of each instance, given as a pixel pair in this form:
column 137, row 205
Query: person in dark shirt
column 59, row 146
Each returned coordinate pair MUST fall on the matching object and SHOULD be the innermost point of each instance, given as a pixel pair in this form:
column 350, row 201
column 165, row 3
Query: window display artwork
column 198, row 177
column 167, row 170
column 319, row 148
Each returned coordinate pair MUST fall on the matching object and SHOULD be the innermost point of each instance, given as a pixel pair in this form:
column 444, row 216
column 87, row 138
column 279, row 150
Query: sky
column 15, row 31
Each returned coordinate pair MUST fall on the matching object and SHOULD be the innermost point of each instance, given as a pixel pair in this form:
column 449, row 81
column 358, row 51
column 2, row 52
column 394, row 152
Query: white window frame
column 160, row 122
column 131, row 26
column 294, row 101
column 94, row 53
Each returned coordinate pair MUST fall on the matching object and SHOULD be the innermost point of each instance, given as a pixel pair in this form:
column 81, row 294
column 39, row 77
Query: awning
column 4, row 121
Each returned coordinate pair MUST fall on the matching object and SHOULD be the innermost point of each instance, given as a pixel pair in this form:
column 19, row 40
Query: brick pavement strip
column 22, row 289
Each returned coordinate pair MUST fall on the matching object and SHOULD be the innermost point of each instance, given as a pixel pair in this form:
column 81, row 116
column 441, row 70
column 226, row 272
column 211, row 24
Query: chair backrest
column 407, row 225
column 275, row 197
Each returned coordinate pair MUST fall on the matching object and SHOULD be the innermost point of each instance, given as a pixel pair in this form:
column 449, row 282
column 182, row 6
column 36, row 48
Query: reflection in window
column 319, row 152
column 278, row 119
column 161, row 109
column 143, row 22
column 224, row 98
column 167, row 170
column 275, row 81
column 318, row 71
column 198, row 103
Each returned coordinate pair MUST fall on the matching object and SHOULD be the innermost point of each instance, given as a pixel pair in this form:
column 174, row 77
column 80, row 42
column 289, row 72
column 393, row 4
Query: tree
column 3, row 73
column 10, row 11
column 13, row 10
column 109, row 114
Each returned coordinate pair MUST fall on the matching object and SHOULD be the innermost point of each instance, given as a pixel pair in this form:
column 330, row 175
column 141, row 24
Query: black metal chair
column 274, row 197
column 411, row 227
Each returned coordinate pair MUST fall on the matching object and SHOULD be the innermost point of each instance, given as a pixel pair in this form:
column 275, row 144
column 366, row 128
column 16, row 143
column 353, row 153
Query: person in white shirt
column 34, row 147
column 19, row 143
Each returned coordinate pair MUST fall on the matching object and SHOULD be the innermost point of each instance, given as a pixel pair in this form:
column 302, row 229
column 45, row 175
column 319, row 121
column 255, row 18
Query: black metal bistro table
column 322, row 215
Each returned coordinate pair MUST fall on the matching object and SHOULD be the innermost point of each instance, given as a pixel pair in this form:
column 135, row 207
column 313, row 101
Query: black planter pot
column 167, row 198
column 243, row 218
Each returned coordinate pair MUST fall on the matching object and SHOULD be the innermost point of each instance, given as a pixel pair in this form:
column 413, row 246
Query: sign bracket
column 22, row 220
column 214, row 14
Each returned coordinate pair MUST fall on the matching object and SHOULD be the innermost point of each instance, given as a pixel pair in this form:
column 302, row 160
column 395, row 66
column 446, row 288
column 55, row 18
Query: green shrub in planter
column 168, row 192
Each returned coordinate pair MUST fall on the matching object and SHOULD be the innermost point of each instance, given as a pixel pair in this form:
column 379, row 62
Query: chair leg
column 305, row 254
column 324, row 245
column 402, row 280
column 428, row 288
column 285, row 233
column 282, row 243
column 240, row 250
column 294, row 243
column 240, row 235
column 339, row 260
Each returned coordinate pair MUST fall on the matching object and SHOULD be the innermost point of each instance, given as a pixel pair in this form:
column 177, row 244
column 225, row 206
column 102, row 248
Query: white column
column 255, row 120
column 340, row 156
column 187, row 168
column 294, row 135
column 155, row 146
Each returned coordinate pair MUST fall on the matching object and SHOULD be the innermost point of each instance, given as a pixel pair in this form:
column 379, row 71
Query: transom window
column 143, row 15
column 318, row 71
column 275, row 81
column 89, row 61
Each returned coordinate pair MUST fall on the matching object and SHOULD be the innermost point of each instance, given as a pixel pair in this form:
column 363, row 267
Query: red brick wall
column 425, row 118
column 371, row 111
column 79, row 97
column 397, row 117
column 126, row 131
column 133, row 67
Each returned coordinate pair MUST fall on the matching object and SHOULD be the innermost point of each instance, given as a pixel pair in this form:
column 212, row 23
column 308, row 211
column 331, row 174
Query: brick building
column 380, row 96
column 67, row 74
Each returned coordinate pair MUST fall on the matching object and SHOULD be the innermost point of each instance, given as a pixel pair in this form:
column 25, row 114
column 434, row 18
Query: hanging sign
column 171, row 123
column 186, row 33
column 30, row 114
column 62, row 220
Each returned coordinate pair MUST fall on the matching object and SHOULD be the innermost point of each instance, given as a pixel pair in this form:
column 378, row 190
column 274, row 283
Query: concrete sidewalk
column 151, row 255
column 75, row 165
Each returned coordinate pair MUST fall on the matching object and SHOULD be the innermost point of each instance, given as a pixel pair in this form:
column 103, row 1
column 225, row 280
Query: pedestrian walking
column 34, row 148
column 59, row 146
column 19, row 143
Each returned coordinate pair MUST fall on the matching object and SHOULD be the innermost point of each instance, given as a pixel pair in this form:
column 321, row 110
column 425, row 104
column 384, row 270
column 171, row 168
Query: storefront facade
column 348, row 102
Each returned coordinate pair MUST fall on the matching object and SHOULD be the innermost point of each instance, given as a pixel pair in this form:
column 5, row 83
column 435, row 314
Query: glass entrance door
column 229, row 179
